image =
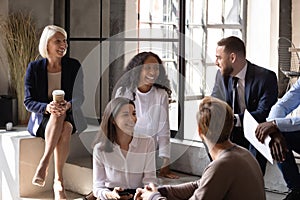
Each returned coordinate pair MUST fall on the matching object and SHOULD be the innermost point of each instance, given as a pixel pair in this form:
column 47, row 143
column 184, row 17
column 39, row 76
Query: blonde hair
column 47, row 33
column 215, row 118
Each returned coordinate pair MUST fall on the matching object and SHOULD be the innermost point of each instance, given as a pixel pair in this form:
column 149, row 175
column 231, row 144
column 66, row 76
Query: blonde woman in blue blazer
column 52, row 121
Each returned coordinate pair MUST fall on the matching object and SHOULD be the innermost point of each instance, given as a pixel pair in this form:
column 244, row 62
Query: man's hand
column 278, row 146
column 144, row 194
column 265, row 129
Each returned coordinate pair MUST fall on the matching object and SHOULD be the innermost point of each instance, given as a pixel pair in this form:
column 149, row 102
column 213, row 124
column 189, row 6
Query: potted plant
column 20, row 41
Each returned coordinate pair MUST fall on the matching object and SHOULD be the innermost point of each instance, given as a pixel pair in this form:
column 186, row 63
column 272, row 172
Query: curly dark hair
column 130, row 79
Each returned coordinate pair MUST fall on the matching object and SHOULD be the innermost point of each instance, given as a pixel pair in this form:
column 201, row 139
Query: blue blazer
column 261, row 91
column 36, row 91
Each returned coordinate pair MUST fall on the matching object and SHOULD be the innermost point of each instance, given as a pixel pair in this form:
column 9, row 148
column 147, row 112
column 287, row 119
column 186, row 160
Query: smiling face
column 149, row 74
column 223, row 61
column 125, row 119
column 57, row 45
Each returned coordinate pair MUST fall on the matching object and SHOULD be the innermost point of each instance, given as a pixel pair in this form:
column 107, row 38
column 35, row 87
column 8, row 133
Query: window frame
column 182, row 6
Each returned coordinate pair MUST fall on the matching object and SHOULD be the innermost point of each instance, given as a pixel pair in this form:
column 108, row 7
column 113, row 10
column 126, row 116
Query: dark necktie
column 235, row 96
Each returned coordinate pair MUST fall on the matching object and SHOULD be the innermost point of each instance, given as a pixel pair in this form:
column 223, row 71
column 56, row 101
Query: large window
column 183, row 33
column 207, row 21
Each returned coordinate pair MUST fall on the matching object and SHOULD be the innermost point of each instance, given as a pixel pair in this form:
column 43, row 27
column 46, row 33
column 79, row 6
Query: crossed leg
column 57, row 140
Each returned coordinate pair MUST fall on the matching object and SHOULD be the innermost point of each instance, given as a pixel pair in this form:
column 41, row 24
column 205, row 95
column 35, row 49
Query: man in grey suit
column 256, row 88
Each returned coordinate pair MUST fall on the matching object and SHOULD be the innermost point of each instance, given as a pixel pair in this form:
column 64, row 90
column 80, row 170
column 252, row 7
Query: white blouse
column 112, row 169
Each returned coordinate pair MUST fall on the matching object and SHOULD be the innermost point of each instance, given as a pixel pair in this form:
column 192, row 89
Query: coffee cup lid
column 58, row 92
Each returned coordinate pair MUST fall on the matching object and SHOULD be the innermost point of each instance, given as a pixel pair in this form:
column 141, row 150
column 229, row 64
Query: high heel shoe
column 38, row 181
column 59, row 191
column 39, row 177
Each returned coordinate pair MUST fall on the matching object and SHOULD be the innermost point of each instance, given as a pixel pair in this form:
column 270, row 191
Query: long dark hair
column 130, row 79
column 107, row 134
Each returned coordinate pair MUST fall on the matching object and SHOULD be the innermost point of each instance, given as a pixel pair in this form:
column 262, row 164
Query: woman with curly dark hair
column 133, row 70
column 145, row 82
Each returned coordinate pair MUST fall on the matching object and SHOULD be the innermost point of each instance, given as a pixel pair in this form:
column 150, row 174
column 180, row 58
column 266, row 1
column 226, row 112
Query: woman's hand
column 58, row 108
column 144, row 194
column 115, row 194
column 138, row 194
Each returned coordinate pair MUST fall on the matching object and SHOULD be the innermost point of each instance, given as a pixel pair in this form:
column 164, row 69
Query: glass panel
column 235, row 32
column 215, row 11
column 158, row 15
column 88, row 53
column 168, row 32
column 194, row 59
column 232, row 12
column 81, row 49
column 79, row 15
column 190, row 122
column 211, row 72
column 195, row 12
column 195, row 44
column 213, row 36
column 194, row 78
column 242, row 10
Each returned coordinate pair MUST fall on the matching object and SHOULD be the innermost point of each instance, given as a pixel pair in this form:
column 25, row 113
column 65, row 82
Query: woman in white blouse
column 121, row 162
column 147, row 84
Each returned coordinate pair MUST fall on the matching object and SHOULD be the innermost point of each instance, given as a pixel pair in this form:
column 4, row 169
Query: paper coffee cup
column 9, row 126
column 58, row 95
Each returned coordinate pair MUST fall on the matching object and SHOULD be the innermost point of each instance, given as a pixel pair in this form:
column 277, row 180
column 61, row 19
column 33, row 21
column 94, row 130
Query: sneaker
column 293, row 195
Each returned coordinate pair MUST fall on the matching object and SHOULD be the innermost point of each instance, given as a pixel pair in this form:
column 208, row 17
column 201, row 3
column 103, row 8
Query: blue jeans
column 289, row 168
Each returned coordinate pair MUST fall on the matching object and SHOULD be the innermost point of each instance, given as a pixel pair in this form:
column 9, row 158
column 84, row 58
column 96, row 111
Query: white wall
column 295, row 22
column 262, row 32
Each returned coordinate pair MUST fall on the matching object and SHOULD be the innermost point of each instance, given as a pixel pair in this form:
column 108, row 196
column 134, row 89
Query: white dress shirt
column 112, row 169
